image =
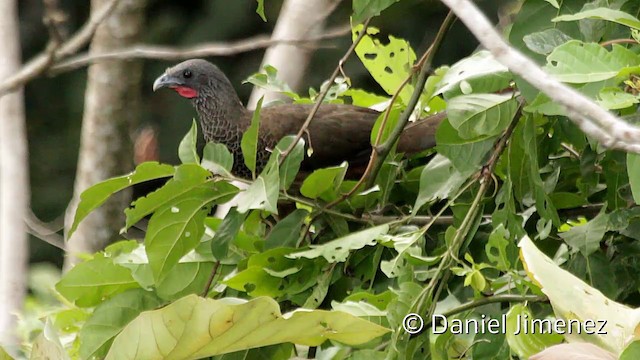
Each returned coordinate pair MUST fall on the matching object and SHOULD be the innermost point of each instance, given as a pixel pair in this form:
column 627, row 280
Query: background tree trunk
column 112, row 103
column 14, row 180
column 298, row 19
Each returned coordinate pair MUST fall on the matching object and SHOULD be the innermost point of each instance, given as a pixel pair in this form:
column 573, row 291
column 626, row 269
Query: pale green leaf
column 543, row 42
column 195, row 328
column 96, row 195
column 481, row 115
column 613, row 15
column 438, row 180
column 338, row 250
column 262, row 194
column 249, row 142
column 217, row 158
column 187, row 149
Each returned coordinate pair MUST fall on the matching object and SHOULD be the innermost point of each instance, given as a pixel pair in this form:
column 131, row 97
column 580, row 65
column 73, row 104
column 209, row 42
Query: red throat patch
column 186, row 92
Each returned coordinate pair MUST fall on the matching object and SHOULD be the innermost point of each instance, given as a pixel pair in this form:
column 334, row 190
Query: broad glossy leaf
column 217, row 158
column 96, row 195
column 175, row 229
column 91, row 282
column 388, row 63
column 187, row 149
column 578, row 62
column 187, row 178
column 194, row 327
column 338, row 250
column 110, row 317
column 479, row 115
column 323, row 180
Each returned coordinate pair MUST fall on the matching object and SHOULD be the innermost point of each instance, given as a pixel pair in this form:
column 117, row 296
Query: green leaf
column 226, row 233
column 631, row 352
column 260, row 10
column 633, row 168
column 286, row 233
column 553, row 3
column 176, row 229
column 544, row 42
column 394, row 115
column 4, row 355
column 479, row 115
column 268, row 80
column 587, row 237
column 438, row 180
column 291, row 165
column 526, row 344
column 467, row 155
column 110, row 317
column 321, row 289
column 91, row 282
column 323, row 180
column 578, row 62
column 194, row 328
column 217, row 158
column 249, row 142
column 338, row 250
column 96, row 195
column 614, row 98
column 480, row 72
column 389, row 63
column 262, row 194
column 187, row 178
column 612, row 15
column 188, row 277
column 364, row 9
column 187, row 149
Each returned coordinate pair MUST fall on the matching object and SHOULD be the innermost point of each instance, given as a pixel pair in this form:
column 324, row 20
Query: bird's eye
column 187, row 74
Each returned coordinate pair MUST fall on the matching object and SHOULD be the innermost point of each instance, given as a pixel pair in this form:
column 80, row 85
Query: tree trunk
column 298, row 19
column 14, row 181
column 111, row 109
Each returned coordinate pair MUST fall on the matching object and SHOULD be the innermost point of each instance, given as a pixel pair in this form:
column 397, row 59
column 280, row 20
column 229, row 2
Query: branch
column 324, row 92
column 380, row 153
column 43, row 231
column 595, row 121
column 41, row 62
column 160, row 52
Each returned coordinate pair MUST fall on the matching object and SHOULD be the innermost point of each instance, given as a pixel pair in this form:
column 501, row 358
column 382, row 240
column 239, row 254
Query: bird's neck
column 222, row 116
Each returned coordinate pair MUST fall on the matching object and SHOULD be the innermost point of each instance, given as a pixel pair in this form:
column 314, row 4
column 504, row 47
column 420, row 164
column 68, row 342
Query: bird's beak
column 164, row 81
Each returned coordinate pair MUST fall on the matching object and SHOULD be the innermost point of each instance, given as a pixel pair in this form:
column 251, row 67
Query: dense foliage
column 447, row 231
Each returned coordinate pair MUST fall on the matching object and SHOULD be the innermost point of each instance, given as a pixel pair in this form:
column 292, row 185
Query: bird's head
column 193, row 78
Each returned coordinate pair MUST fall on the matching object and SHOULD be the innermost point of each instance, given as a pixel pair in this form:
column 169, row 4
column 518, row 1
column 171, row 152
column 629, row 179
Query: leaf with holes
column 389, row 64
column 338, row 250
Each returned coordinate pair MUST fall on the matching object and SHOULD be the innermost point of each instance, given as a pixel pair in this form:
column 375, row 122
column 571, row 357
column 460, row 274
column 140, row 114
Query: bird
column 337, row 132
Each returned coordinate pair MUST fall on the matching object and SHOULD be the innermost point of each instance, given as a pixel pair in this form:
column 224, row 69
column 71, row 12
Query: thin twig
column 424, row 65
column 41, row 62
column 207, row 286
column 159, row 52
column 43, row 231
column 324, row 92
column 618, row 41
